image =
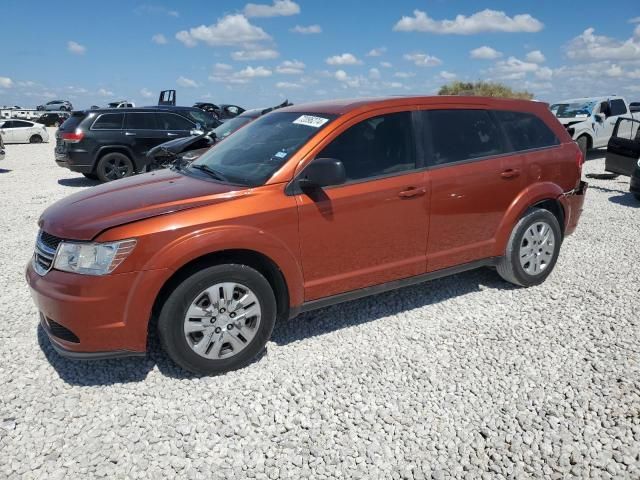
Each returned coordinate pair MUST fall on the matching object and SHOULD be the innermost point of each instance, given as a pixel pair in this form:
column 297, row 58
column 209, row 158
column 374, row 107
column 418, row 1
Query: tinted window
column 526, row 131
column 20, row 124
column 457, row 135
column 377, row 146
column 628, row 129
column 7, row 124
column 170, row 121
column 140, row 121
column 108, row 121
column 618, row 107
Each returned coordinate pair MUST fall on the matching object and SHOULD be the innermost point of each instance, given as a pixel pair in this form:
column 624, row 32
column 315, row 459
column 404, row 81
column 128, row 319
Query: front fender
column 527, row 198
column 199, row 243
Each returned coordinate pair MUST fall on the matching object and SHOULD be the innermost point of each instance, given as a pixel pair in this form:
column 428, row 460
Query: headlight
column 92, row 258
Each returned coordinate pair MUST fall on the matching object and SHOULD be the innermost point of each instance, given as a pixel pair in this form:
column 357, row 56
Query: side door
column 173, row 126
column 623, row 150
column 612, row 110
column 473, row 182
column 21, row 131
column 373, row 228
column 6, row 130
column 141, row 132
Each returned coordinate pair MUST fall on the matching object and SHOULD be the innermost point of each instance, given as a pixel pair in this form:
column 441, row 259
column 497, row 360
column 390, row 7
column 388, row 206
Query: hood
column 83, row 215
column 568, row 121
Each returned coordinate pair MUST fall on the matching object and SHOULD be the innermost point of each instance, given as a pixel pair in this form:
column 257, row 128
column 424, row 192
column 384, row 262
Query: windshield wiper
column 211, row 172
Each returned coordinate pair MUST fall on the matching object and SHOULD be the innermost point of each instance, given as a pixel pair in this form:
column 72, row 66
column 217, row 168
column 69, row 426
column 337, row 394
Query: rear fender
column 528, row 197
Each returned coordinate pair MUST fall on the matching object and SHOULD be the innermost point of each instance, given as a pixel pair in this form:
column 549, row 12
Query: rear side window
column 375, row 147
column 140, row 121
column 72, row 122
column 19, row 124
column 526, row 131
column 109, row 121
column 628, row 129
column 618, row 107
column 170, row 121
column 458, row 135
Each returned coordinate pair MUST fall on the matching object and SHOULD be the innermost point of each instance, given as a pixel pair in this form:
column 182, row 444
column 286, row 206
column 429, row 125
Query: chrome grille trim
column 44, row 255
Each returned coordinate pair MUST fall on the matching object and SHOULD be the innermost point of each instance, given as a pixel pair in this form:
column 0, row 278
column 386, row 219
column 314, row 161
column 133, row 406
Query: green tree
column 483, row 89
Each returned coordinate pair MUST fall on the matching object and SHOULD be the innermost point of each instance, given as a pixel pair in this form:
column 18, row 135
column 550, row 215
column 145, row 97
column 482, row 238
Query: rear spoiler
column 167, row 98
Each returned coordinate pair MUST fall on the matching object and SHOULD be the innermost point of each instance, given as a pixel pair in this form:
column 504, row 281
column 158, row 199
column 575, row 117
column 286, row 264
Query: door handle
column 129, row 134
column 412, row 192
column 510, row 173
column 169, row 134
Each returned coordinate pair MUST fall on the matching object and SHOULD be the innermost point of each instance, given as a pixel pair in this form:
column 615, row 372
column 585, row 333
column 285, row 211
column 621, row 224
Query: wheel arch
column 589, row 138
column 104, row 150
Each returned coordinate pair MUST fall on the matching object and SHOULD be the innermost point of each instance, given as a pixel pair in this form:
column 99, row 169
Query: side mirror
column 322, row 172
column 599, row 117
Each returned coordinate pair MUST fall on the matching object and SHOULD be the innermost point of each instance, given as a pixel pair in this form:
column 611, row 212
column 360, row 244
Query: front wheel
column 114, row 166
column 583, row 145
column 218, row 319
column 532, row 250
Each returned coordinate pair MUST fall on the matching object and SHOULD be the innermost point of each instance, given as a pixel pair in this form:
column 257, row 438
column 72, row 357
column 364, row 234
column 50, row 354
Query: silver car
column 56, row 106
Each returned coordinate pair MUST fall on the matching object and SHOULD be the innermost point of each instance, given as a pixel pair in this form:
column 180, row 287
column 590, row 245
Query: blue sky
column 256, row 53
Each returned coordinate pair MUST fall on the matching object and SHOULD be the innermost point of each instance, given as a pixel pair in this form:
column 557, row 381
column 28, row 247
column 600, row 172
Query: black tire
column 172, row 317
column 90, row 176
column 637, row 195
column 583, row 145
column 114, row 166
column 35, row 139
column 510, row 267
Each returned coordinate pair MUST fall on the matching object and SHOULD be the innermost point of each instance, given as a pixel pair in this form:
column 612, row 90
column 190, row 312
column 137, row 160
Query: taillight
column 73, row 137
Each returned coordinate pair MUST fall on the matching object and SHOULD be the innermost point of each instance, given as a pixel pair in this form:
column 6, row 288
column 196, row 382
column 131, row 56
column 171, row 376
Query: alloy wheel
column 222, row 320
column 537, row 248
column 117, row 168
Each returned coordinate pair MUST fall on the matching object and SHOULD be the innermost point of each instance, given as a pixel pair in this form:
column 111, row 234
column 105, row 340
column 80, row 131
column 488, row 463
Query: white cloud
column 341, row 75
column 279, row 8
column 344, row 59
column 404, row 74
column 386, row 65
column 76, row 48
column 614, row 71
column 485, row 53
column 422, row 59
column 229, row 30
column 536, row 56
column 251, row 72
column 186, row 82
column 447, row 75
column 374, row 73
column 6, row 82
column 146, row 93
column 288, row 85
column 484, row 21
column 224, row 73
column 103, row 92
column 376, row 52
column 634, row 20
column 245, row 55
column 393, row 85
column 544, row 73
column 307, row 30
column 587, row 45
column 159, row 38
column 290, row 67
column 148, row 9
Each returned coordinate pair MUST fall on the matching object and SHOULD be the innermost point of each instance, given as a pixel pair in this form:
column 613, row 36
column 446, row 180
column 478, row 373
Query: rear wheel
column 583, row 144
column 218, row 319
column 532, row 250
column 637, row 195
column 35, row 139
column 113, row 166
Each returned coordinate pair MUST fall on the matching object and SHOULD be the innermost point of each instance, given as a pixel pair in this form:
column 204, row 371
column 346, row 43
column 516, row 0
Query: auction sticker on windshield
column 310, row 121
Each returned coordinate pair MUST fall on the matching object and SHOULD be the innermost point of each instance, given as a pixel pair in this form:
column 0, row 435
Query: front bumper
column 95, row 316
column 573, row 203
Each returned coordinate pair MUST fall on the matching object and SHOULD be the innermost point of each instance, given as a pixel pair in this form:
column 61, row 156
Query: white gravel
column 464, row 377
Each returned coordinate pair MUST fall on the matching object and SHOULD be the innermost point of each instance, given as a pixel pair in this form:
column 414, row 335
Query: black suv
column 107, row 144
column 52, row 119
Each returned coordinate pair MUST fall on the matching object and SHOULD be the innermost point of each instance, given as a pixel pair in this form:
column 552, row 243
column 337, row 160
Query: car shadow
column 595, row 154
column 305, row 326
column 4, row 170
column 78, row 182
column 626, row 200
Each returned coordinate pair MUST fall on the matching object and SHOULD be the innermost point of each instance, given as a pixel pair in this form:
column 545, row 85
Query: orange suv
column 305, row 207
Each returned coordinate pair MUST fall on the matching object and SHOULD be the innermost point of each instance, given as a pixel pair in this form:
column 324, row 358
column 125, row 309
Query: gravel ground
column 464, row 377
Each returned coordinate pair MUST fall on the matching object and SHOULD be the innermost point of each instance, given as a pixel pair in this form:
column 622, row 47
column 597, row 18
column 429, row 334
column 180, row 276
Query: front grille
column 61, row 332
column 46, row 246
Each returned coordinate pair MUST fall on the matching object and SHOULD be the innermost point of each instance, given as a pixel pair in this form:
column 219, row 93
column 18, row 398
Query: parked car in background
column 623, row 152
column 185, row 150
column 303, row 208
column 2, row 153
column 23, row 131
column 122, row 104
column 52, row 119
column 109, row 144
column 590, row 120
column 223, row 111
column 56, row 105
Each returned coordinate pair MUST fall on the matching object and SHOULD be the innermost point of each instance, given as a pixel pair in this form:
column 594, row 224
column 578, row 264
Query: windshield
column 230, row 126
column 204, row 119
column 255, row 152
column 572, row 110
